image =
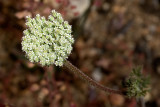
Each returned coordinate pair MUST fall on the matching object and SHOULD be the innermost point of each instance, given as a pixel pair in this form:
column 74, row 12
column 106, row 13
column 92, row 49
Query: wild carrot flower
column 47, row 41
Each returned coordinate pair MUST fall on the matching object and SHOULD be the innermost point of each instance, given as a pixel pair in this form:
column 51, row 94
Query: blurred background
column 111, row 37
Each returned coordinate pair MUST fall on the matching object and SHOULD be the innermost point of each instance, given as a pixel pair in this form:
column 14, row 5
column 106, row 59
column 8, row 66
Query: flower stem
column 92, row 82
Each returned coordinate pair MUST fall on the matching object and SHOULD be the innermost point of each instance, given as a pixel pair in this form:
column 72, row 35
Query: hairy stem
column 140, row 102
column 92, row 82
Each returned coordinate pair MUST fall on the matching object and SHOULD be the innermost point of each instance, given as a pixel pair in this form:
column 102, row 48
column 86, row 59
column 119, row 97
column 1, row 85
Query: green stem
column 92, row 82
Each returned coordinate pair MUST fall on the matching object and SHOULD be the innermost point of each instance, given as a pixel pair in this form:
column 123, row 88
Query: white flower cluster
column 47, row 41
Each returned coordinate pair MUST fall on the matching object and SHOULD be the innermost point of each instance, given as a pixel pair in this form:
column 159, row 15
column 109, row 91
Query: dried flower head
column 47, row 41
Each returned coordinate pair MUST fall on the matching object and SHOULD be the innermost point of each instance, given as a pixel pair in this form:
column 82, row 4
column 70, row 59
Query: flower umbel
column 47, row 41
